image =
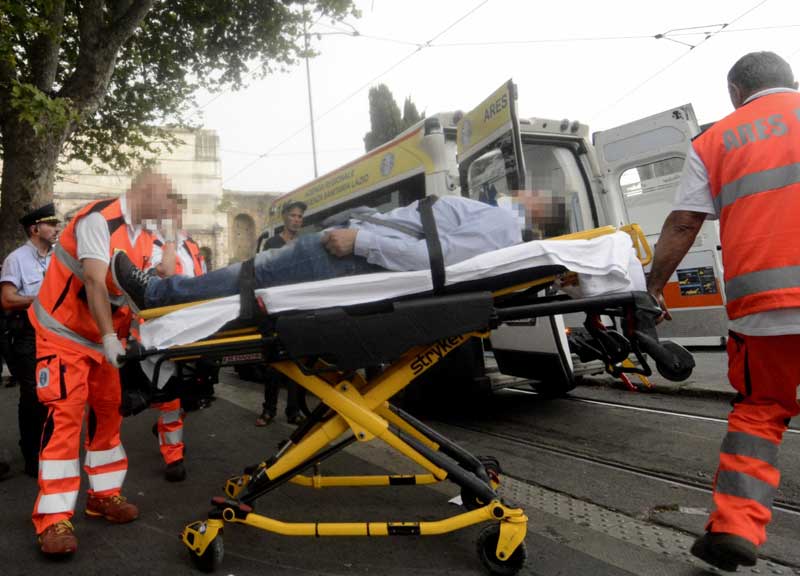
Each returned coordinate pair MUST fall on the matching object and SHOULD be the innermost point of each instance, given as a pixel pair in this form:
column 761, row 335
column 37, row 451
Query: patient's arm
column 340, row 243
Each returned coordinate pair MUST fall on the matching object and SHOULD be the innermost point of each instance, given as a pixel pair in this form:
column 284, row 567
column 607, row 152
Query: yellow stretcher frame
column 359, row 409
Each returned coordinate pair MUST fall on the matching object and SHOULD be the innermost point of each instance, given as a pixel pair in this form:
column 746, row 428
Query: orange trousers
column 765, row 371
column 170, row 430
column 66, row 381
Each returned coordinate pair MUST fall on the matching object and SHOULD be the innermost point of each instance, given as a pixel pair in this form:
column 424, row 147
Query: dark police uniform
column 24, row 268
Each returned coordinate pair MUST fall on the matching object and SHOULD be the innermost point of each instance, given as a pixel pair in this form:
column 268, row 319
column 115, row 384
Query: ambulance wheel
column 209, row 560
column 471, row 501
column 487, row 552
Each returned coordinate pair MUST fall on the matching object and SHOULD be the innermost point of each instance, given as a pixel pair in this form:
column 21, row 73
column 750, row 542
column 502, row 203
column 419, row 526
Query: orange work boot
column 58, row 539
column 115, row 509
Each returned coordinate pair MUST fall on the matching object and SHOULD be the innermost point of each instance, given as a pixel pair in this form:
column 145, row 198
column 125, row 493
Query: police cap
column 44, row 214
column 293, row 204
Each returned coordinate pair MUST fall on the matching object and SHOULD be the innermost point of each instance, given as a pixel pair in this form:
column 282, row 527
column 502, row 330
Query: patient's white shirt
column 466, row 228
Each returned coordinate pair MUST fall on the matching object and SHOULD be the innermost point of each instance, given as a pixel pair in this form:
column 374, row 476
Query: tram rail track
column 781, row 505
column 638, row 408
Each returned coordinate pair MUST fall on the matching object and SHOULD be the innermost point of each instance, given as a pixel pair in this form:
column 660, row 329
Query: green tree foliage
column 99, row 79
column 385, row 119
column 410, row 113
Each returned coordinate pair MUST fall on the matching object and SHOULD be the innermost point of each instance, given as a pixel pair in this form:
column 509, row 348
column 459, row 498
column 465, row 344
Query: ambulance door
column 491, row 167
column 642, row 163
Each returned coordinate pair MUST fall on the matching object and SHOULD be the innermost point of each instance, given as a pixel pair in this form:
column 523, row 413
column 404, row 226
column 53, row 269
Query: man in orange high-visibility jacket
column 181, row 257
column 79, row 319
column 745, row 170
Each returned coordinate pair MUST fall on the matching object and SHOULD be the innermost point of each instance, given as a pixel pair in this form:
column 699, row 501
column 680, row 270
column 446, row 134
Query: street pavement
column 223, row 438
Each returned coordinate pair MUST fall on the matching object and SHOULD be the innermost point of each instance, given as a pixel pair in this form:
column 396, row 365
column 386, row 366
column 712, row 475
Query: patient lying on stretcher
column 369, row 243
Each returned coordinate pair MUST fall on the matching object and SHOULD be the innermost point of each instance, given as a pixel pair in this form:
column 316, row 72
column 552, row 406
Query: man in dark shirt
column 292, row 214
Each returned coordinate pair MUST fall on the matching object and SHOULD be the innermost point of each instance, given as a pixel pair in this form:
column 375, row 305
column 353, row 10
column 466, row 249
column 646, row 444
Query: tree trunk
column 29, row 169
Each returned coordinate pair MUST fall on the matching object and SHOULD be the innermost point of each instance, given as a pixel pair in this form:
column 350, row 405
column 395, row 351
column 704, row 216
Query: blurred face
column 47, row 232
column 293, row 220
column 154, row 199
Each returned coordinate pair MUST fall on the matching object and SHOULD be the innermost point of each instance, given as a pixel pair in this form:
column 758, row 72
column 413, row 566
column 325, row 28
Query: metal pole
column 310, row 105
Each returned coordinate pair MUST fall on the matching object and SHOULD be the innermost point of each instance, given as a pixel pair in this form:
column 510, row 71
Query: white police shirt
column 25, row 268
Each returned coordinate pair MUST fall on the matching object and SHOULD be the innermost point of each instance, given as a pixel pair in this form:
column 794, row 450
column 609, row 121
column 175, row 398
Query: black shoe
column 725, row 551
column 130, row 279
column 11, row 382
column 4, row 468
column 175, row 471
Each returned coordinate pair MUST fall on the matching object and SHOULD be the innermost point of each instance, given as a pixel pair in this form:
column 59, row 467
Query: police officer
column 22, row 275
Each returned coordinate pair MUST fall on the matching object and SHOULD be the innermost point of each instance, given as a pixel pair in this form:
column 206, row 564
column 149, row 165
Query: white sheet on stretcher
column 604, row 265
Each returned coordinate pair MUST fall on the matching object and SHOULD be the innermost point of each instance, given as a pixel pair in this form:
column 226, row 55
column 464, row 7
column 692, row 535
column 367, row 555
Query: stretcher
column 403, row 325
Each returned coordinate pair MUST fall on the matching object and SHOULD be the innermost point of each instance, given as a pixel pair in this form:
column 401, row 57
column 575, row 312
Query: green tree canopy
column 384, row 116
column 99, row 79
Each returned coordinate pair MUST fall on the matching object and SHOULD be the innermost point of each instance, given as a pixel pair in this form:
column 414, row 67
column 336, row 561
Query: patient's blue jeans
column 303, row 260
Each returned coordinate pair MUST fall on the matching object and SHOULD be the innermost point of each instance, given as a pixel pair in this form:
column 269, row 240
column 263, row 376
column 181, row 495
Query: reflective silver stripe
column 743, row 444
column 97, row 458
column 55, row 503
column 58, row 328
column 763, row 181
column 107, row 480
column 762, row 281
column 59, row 469
column 68, row 260
column 76, row 268
column 171, row 416
column 171, row 438
column 745, row 486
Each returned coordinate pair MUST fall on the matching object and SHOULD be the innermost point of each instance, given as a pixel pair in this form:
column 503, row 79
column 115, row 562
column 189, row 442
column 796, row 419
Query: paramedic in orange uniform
column 80, row 321
column 745, row 171
column 167, row 260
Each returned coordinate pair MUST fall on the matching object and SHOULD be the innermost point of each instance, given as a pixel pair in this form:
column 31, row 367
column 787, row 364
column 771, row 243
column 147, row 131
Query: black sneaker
column 130, row 279
column 725, row 551
column 175, row 471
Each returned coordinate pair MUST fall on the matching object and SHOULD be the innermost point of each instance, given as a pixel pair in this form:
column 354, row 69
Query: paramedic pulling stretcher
column 79, row 318
column 322, row 350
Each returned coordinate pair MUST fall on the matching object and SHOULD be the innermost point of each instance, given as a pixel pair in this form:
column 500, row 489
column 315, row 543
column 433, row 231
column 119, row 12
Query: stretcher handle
column 643, row 251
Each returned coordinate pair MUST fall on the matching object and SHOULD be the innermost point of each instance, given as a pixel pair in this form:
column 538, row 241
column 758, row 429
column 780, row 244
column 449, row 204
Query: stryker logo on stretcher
column 435, row 352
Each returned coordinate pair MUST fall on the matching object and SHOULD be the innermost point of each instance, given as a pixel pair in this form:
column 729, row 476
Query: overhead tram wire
column 417, row 49
column 676, row 60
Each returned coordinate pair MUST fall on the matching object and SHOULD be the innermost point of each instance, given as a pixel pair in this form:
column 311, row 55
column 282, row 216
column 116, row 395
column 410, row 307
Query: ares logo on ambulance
column 495, row 108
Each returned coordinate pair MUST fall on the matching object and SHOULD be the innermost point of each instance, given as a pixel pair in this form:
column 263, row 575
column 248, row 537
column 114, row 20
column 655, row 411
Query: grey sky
column 557, row 52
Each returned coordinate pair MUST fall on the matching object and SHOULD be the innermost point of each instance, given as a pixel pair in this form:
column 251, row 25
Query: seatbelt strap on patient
column 425, row 207
column 248, row 307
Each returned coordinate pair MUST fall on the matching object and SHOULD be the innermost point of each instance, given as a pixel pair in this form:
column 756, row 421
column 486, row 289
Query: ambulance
column 624, row 175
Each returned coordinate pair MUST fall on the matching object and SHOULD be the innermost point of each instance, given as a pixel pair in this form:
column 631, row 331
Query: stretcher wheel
column 211, row 558
column 680, row 369
column 487, row 552
column 492, row 466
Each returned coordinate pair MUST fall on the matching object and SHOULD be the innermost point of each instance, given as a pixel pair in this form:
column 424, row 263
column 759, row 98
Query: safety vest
column 753, row 162
column 61, row 309
column 197, row 258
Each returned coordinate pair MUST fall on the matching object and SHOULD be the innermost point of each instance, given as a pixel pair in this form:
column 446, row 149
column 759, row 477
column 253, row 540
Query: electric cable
column 355, row 92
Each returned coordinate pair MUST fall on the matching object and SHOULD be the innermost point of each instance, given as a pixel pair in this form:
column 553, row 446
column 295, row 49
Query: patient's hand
column 340, row 243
